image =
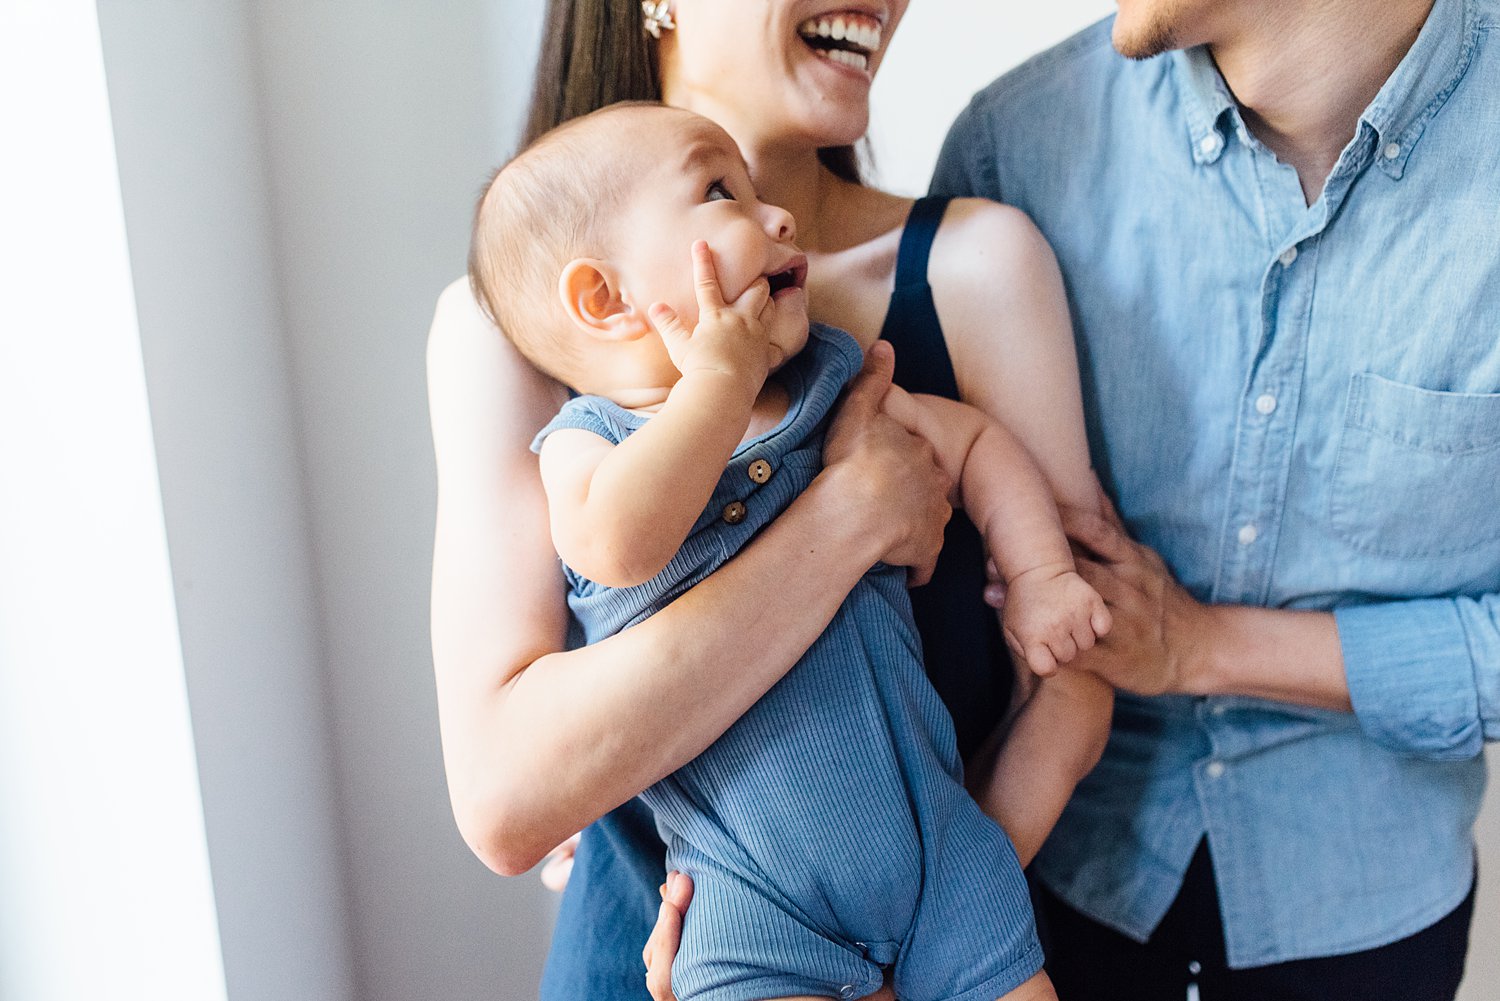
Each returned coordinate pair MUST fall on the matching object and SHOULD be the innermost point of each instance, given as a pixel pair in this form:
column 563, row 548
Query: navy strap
column 916, row 241
column 911, row 323
column 961, row 643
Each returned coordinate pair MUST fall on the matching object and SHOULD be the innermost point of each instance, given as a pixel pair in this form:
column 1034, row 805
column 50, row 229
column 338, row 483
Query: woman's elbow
column 496, row 832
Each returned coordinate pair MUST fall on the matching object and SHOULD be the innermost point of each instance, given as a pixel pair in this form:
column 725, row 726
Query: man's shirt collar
column 1415, row 92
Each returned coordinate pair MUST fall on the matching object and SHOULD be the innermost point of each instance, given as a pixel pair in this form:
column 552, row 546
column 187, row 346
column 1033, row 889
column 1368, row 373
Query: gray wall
column 297, row 180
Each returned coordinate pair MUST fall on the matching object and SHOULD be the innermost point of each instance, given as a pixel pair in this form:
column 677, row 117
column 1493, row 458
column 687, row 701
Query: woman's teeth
column 856, row 59
column 849, row 39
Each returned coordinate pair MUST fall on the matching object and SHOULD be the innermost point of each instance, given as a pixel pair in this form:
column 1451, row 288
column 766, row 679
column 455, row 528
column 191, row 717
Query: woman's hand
column 890, row 473
column 661, row 947
column 558, row 865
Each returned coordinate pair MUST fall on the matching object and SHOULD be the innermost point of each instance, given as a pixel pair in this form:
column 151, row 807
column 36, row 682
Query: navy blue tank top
column 611, row 902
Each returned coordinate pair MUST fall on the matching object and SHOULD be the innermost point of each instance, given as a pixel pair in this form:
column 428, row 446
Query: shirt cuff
column 1411, row 677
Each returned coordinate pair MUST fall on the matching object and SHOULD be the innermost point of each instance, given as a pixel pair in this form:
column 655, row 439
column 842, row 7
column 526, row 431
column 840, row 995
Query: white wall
column 297, row 181
column 101, row 828
column 193, row 174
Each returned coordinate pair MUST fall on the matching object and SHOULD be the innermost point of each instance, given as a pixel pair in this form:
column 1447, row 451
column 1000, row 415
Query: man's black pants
column 1090, row 962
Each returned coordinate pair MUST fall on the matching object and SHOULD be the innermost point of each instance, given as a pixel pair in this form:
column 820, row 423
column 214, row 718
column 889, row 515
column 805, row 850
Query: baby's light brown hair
column 553, row 202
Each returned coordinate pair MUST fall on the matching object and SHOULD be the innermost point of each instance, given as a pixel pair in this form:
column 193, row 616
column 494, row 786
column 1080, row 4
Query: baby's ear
column 590, row 291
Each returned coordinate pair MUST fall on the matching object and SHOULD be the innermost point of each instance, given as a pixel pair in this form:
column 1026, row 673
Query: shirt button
column 846, row 992
column 1248, row 534
column 1209, row 144
column 1391, row 151
column 1265, row 403
column 1287, row 257
column 759, row 471
column 734, row 513
column 1214, row 770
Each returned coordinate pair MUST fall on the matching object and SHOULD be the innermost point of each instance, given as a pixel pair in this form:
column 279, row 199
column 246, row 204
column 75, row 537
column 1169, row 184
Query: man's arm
column 1422, row 676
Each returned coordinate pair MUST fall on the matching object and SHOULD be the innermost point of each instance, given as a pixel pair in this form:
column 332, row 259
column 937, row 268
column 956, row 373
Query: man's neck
column 1304, row 72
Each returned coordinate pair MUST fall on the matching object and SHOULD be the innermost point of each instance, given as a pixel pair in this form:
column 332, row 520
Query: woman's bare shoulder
column 987, row 240
column 990, row 262
column 481, row 392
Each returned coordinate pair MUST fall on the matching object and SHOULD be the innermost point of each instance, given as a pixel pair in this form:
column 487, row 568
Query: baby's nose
column 780, row 224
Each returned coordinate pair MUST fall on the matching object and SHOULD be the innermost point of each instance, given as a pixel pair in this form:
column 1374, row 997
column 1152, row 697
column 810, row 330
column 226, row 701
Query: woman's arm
column 1000, row 297
column 538, row 742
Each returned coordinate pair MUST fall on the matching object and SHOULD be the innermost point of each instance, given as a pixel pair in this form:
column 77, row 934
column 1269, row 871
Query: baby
column 828, row 831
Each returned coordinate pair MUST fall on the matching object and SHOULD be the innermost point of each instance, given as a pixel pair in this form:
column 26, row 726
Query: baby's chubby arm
column 620, row 512
column 1051, row 613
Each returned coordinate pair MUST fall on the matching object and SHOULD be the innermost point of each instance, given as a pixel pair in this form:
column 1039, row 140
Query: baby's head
column 581, row 233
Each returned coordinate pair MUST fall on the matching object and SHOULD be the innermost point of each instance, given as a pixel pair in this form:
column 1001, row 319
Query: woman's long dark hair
column 594, row 53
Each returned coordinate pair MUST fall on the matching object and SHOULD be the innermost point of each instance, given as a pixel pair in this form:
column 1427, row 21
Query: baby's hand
column 1051, row 614
column 729, row 337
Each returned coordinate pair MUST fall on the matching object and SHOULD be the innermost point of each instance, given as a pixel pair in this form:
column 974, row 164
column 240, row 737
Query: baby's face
column 697, row 187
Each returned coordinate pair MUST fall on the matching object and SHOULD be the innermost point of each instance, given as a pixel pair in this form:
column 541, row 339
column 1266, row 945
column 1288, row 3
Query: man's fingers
column 1107, row 506
column 1103, row 580
column 706, row 278
column 1095, row 533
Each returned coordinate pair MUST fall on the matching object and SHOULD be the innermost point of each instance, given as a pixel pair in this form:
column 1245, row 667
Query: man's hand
column 661, row 947
column 729, row 338
column 1161, row 634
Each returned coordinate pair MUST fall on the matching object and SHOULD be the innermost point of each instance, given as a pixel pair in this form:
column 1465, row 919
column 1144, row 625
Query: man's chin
column 1143, row 41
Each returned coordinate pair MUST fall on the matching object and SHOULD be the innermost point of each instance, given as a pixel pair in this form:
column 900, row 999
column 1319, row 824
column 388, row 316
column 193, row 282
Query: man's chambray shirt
column 1298, row 407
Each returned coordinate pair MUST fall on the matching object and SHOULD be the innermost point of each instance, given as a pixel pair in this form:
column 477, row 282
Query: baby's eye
column 717, row 192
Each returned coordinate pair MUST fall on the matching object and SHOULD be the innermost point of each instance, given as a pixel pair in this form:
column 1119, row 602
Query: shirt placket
column 1266, row 412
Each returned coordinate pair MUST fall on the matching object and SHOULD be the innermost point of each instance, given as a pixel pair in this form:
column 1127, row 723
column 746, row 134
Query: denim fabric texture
column 1298, row 407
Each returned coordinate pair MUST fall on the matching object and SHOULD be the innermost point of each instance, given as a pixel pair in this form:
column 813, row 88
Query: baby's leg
column 741, row 942
column 886, row 993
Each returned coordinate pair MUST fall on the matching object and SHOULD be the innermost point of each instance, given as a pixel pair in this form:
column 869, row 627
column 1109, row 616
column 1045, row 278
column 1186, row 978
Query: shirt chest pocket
column 1418, row 471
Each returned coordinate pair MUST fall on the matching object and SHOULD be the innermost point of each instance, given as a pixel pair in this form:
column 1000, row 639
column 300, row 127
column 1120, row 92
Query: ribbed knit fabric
column 827, row 831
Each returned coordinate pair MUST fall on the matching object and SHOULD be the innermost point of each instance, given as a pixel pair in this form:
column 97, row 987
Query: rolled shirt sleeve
column 1424, row 675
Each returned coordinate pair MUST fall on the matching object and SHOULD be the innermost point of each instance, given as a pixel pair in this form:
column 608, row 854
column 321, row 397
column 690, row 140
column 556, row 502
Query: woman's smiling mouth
column 845, row 37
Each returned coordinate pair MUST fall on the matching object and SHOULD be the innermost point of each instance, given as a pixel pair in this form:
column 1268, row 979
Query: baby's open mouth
column 793, row 276
column 846, row 37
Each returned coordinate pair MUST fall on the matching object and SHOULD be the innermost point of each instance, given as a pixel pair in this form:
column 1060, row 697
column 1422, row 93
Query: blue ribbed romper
column 827, row 831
